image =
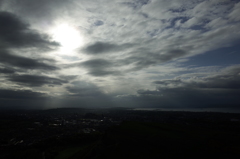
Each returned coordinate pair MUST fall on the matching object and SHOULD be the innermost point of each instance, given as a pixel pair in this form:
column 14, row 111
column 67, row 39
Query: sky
column 119, row 53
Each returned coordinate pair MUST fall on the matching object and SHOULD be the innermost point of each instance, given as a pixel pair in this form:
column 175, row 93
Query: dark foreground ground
column 118, row 134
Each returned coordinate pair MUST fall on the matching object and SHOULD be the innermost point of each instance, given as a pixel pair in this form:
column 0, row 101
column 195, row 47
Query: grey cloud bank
column 15, row 33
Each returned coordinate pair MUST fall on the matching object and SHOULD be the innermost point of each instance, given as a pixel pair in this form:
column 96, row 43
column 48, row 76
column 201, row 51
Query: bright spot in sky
column 68, row 37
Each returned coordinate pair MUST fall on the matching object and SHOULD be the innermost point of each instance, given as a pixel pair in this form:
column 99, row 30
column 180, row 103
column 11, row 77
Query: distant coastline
column 220, row 110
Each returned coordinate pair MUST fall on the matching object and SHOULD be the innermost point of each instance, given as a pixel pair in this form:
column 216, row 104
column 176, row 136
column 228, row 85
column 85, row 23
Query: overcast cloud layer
column 128, row 53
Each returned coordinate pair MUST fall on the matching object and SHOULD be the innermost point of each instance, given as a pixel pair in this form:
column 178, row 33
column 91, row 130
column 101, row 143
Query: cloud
column 43, row 12
column 236, row 11
column 143, row 58
column 68, row 78
column 15, row 36
column 226, row 79
column 155, row 39
column 172, row 54
column 219, row 89
column 21, row 94
column 169, row 83
column 104, row 73
column 14, row 33
column 23, row 62
column 22, row 99
column 100, row 67
column 84, row 89
column 139, row 51
column 6, row 70
column 105, row 47
column 98, row 23
column 96, row 63
column 134, row 61
column 136, row 4
column 36, row 80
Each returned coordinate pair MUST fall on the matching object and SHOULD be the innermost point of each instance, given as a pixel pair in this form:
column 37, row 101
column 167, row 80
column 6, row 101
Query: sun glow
column 68, row 37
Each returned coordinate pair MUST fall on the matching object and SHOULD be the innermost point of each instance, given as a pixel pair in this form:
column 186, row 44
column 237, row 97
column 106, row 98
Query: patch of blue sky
column 201, row 28
column 173, row 22
column 222, row 56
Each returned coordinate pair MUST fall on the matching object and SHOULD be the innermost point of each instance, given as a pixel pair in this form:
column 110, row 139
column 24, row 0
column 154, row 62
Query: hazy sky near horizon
column 111, row 53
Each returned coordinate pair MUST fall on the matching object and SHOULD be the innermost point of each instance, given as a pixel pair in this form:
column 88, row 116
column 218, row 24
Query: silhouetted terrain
column 118, row 133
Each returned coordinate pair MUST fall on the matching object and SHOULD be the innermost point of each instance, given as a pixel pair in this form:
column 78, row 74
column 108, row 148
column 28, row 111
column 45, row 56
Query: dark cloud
column 14, row 33
column 138, row 60
column 69, row 78
column 100, row 67
column 148, row 92
column 98, row 23
column 171, row 54
column 22, row 99
column 6, row 70
column 20, row 94
column 168, row 82
column 23, row 62
column 105, row 47
column 97, row 63
column 36, row 80
column 83, row 89
column 99, row 72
